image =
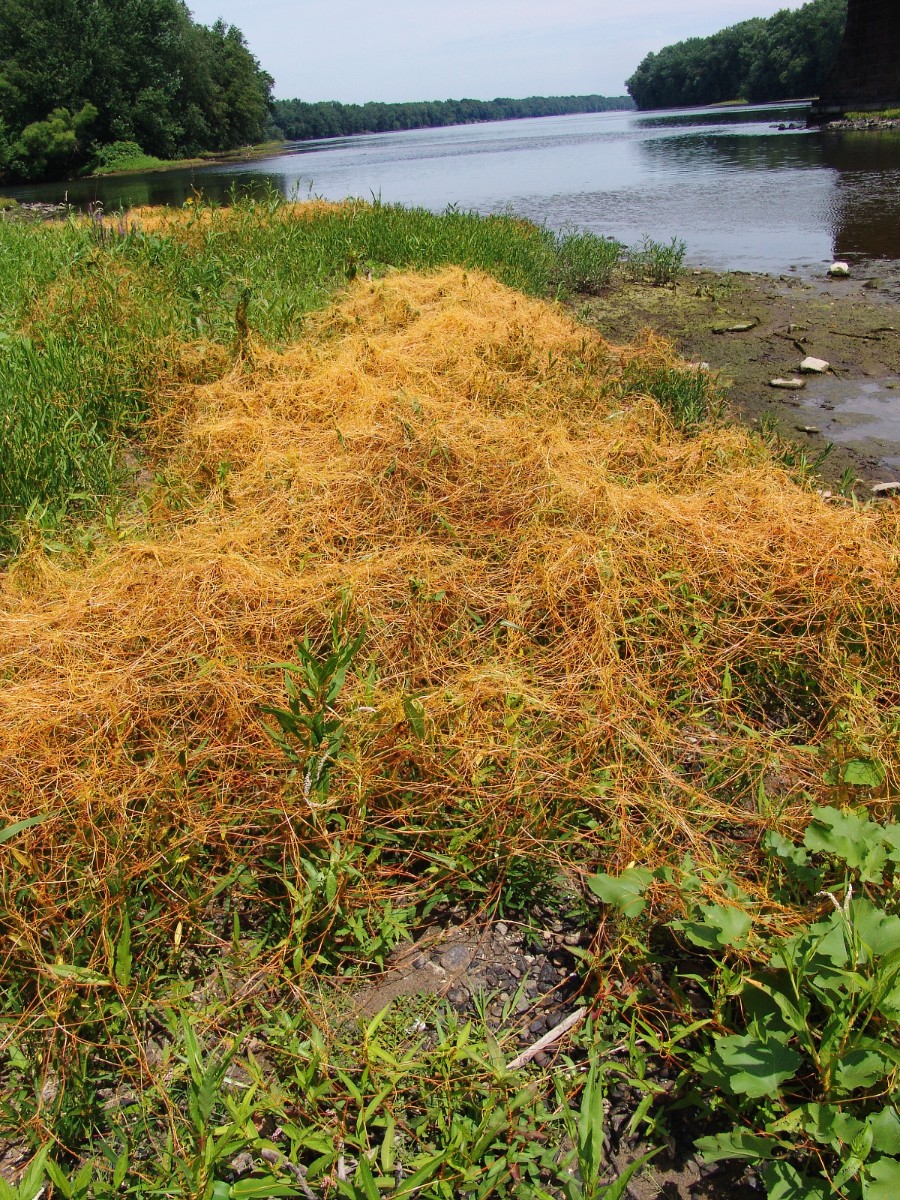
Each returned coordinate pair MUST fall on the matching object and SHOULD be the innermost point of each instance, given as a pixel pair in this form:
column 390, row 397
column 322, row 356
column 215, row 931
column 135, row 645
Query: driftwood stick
column 281, row 1163
column 548, row 1039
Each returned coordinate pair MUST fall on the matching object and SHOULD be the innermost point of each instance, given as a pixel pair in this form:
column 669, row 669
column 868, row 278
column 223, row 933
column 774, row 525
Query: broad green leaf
column 625, row 892
column 120, row 1170
column 720, row 926
column 891, row 836
column 879, row 932
column 251, row 1189
column 32, row 1183
column 830, row 1125
column 414, row 711
column 854, row 839
column 863, row 772
column 81, row 975
column 881, row 1180
column 123, row 958
column 755, row 1067
column 784, row 1182
column 861, row 1069
column 28, row 823
column 889, row 1004
column 788, row 851
column 738, row 1143
column 885, row 1127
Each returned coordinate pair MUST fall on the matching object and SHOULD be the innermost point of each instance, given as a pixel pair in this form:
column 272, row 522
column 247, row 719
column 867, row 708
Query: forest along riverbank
column 752, row 329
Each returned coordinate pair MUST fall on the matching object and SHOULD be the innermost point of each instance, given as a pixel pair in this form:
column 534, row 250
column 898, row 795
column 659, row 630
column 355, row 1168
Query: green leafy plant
column 310, row 732
column 585, row 262
column 657, row 263
column 801, row 1051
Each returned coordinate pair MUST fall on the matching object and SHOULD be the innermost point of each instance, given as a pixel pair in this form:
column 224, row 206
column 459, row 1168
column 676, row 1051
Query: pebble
column 456, row 957
column 815, row 366
column 793, row 385
column 734, row 327
column 502, row 928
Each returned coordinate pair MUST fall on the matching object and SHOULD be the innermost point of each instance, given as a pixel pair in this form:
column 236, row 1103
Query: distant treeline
column 779, row 58
column 79, row 75
column 298, row 120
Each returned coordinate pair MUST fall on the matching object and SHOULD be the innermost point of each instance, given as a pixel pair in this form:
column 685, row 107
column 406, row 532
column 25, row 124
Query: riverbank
column 752, row 329
column 415, row 766
column 148, row 165
column 885, row 120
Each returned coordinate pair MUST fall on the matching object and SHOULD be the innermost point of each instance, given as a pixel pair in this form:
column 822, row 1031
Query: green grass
column 124, row 156
column 94, row 320
column 884, row 114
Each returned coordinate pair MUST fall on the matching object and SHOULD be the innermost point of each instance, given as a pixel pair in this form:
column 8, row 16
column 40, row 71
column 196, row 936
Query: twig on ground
column 548, row 1039
column 282, row 1163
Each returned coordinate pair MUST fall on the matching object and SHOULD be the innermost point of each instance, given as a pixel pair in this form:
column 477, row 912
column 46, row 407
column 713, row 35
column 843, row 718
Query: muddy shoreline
column 752, row 329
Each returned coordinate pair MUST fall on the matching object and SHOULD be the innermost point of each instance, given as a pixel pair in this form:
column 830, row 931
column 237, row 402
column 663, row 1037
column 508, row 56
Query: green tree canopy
column 781, row 58
column 148, row 71
column 300, row 121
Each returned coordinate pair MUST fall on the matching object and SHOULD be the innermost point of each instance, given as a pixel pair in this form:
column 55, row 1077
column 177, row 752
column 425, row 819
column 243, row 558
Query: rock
column 815, row 366
column 734, row 326
column 807, row 428
column 883, row 489
column 839, row 270
column 457, row 957
column 791, row 385
column 872, row 285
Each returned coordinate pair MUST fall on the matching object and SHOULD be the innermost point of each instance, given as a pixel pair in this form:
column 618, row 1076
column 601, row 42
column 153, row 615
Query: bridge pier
column 866, row 73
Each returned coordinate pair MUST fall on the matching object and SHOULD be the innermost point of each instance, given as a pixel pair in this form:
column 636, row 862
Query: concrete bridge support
column 866, row 73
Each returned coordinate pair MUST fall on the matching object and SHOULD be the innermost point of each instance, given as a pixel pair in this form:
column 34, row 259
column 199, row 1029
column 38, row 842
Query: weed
column 585, row 263
column 658, row 263
column 806, row 1065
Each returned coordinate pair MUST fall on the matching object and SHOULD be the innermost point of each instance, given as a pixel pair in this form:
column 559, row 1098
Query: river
column 739, row 191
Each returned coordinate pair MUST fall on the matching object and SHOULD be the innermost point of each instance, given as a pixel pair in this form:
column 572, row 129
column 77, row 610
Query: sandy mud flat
column 754, row 329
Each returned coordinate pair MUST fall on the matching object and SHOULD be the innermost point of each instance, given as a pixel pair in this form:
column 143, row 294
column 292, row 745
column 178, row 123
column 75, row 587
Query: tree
column 51, row 146
column 152, row 75
column 781, row 58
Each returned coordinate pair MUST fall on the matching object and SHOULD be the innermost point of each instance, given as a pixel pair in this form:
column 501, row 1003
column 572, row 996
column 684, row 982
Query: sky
column 357, row 50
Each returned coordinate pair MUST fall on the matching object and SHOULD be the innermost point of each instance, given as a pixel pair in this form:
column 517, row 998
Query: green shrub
column 53, row 146
column 656, row 262
column 585, row 262
column 122, row 156
column 799, row 1056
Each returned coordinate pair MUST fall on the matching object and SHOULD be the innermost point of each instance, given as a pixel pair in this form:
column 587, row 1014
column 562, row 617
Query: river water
column 739, row 191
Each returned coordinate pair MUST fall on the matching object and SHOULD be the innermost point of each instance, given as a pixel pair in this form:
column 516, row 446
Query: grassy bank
column 123, row 158
column 100, row 319
column 434, row 619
